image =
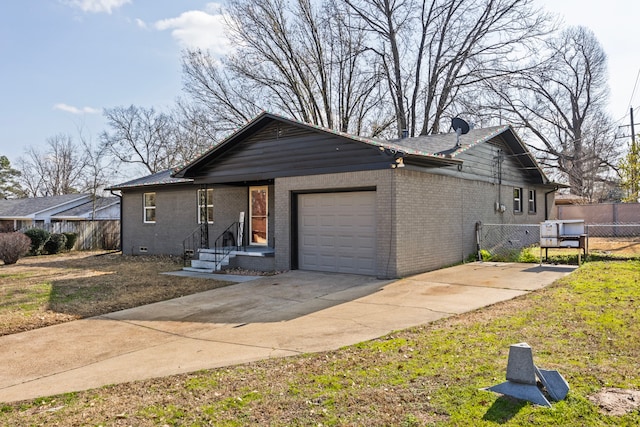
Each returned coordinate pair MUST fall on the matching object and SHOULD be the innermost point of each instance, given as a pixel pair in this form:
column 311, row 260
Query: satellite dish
column 460, row 126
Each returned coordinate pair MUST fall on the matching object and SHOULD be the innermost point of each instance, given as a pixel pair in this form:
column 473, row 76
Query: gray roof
column 85, row 209
column 429, row 150
column 22, row 208
column 446, row 144
column 158, row 178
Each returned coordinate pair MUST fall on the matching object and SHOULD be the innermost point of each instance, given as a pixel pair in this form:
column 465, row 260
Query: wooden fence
column 91, row 234
column 601, row 213
column 605, row 219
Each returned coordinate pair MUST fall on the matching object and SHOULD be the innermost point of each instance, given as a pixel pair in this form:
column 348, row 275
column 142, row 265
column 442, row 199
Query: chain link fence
column 506, row 241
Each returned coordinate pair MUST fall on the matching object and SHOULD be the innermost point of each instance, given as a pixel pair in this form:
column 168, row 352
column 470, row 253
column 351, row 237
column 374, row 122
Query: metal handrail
column 221, row 247
column 198, row 239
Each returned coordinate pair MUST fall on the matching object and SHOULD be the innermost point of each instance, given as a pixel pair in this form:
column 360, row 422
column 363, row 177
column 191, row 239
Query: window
column 205, row 206
column 149, row 207
column 517, row 200
column 532, row 201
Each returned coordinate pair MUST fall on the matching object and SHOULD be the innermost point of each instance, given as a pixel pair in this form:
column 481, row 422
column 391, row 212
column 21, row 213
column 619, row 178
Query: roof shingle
column 22, row 208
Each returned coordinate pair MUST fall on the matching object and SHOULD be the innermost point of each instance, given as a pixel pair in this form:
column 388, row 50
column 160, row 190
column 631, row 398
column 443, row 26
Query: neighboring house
column 314, row 199
column 102, row 209
column 97, row 223
column 570, row 199
column 17, row 214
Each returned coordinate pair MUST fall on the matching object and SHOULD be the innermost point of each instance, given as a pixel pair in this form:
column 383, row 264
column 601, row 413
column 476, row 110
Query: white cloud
column 199, row 29
column 141, row 24
column 97, row 6
column 75, row 110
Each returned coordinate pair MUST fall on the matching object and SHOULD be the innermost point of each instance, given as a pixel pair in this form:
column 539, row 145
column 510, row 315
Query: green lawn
column 586, row 326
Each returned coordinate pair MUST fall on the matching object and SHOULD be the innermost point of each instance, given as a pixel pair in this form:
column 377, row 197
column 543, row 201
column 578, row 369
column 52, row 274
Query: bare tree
column 434, row 52
column 194, row 130
column 60, row 169
column 99, row 170
column 155, row 140
column 140, row 136
column 561, row 101
column 296, row 58
column 228, row 99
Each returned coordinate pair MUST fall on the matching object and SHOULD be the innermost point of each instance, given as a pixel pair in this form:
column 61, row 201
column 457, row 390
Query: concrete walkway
column 288, row 314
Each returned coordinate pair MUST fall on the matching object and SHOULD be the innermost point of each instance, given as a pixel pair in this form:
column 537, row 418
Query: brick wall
column 285, row 189
column 425, row 221
column 176, row 217
column 438, row 213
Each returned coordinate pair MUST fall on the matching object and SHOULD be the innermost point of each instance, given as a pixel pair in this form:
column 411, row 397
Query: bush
column 38, row 238
column 56, row 243
column 71, row 240
column 13, row 246
column 485, row 254
column 528, row 255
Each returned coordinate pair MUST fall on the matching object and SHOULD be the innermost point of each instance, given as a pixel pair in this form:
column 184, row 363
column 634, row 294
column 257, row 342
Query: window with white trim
column 517, row 200
column 150, row 208
column 205, row 205
column 532, row 201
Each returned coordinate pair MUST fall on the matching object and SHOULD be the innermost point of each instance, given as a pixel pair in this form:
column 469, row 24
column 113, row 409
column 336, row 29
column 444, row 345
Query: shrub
column 71, row 240
column 528, row 255
column 13, row 246
column 486, row 255
column 38, row 238
column 56, row 243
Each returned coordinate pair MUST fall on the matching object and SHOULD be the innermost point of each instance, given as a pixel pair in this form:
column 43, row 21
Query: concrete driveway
column 288, row 314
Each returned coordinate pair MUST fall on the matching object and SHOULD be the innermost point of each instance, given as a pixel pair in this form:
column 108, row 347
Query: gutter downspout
column 121, row 217
column 546, row 202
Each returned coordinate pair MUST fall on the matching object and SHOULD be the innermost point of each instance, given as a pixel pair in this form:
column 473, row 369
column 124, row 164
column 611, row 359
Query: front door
column 258, row 211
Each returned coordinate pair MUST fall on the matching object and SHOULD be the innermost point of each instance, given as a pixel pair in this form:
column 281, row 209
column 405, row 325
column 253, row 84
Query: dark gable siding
column 481, row 162
column 280, row 150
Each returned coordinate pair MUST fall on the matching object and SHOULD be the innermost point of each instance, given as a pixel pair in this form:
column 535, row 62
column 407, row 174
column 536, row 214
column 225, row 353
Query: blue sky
column 63, row 61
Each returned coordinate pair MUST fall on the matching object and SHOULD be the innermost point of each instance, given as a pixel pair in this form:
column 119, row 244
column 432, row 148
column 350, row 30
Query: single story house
column 291, row 195
column 17, row 214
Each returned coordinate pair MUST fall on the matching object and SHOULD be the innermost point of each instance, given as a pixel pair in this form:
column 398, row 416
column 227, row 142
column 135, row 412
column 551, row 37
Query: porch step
column 211, row 261
column 199, row 270
column 211, row 256
column 209, row 264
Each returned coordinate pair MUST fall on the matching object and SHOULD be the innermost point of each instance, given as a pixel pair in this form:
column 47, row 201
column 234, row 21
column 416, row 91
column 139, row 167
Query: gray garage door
column 336, row 232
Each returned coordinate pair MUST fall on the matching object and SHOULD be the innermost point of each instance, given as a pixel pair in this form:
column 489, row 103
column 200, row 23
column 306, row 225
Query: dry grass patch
column 620, row 245
column 46, row 290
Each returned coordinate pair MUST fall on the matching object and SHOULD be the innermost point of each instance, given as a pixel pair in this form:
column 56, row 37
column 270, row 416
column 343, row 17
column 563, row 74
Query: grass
column 45, row 290
column 585, row 326
column 556, row 256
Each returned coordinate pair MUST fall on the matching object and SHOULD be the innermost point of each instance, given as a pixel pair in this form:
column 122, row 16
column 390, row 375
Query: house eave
column 431, row 162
